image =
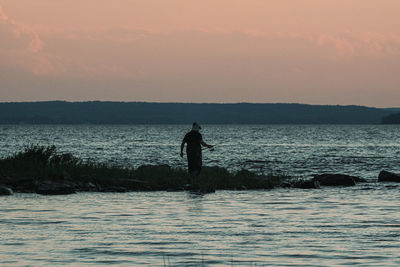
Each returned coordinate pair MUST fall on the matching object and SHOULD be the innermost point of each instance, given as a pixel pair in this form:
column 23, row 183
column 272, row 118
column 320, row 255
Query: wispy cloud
column 202, row 63
column 21, row 46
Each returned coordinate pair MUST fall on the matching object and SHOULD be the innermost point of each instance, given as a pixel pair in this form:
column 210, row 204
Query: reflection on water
column 327, row 227
column 300, row 150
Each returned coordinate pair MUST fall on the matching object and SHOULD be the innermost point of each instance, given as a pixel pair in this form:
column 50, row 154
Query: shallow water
column 281, row 227
column 326, row 227
column 298, row 150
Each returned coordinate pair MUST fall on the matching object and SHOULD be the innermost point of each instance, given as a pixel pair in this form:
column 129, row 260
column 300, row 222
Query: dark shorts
column 194, row 161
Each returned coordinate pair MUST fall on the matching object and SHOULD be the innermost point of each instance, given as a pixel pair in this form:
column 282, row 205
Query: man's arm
column 182, row 146
column 205, row 144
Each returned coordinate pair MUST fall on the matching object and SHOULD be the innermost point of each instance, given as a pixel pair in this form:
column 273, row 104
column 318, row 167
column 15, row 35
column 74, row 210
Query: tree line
column 99, row 112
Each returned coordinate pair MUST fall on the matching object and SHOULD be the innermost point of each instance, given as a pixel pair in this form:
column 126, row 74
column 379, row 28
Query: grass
column 45, row 163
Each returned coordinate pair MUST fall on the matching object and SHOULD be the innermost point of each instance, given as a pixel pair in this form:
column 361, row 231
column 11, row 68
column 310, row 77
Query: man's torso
column 193, row 139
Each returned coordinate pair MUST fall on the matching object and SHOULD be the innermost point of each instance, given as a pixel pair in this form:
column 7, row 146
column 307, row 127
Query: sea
column 331, row 226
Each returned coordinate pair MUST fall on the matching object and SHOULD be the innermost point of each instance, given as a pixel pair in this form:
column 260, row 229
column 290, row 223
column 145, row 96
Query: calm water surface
column 326, row 227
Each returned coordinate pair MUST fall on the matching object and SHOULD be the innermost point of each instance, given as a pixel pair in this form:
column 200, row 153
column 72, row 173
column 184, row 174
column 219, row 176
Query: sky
column 344, row 52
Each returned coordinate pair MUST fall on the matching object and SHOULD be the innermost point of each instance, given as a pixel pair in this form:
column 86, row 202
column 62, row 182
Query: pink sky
column 307, row 51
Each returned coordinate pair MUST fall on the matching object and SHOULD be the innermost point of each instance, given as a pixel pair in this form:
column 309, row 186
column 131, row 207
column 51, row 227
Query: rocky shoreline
column 41, row 170
column 9, row 185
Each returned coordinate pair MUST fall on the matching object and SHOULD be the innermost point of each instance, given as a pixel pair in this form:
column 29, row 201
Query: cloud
column 368, row 45
column 21, row 47
column 127, row 50
column 3, row 16
column 17, row 36
column 129, row 53
column 199, row 65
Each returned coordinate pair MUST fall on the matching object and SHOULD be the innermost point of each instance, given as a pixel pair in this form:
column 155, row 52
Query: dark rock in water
column 55, row 188
column 359, row 179
column 309, row 184
column 5, row 191
column 385, row 176
column 24, row 184
column 336, row 179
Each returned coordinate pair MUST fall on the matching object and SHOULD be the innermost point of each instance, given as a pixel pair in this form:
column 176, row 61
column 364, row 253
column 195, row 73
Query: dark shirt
column 193, row 139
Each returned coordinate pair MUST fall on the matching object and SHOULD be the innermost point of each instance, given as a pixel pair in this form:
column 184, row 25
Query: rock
column 5, row 191
column 55, row 188
column 24, row 184
column 359, row 179
column 336, row 179
column 385, row 176
column 308, row 184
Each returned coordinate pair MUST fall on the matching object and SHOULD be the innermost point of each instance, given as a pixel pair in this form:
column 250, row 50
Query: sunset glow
column 306, row 51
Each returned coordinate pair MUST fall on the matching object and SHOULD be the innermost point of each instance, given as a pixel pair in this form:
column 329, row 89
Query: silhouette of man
column 194, row 141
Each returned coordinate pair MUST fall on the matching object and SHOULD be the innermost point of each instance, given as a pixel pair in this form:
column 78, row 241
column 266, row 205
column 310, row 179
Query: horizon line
column 196, row 103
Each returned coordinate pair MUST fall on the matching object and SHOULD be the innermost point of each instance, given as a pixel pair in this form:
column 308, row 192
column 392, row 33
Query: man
column 194, row 141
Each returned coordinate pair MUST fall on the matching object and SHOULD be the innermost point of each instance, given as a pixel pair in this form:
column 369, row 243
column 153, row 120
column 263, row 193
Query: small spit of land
column 40, row 169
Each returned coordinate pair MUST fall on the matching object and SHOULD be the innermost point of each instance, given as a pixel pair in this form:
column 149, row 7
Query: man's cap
column 196, row 126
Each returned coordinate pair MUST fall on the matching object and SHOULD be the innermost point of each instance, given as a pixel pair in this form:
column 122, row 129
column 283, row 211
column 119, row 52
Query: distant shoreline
column 135, row 113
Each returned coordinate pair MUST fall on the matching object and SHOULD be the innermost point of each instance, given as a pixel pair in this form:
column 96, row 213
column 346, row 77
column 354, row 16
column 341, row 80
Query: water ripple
column 327, row 227
column 310, row 228
column 298, row 150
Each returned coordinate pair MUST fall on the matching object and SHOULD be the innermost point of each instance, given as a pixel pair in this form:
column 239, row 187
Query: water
column 297, row 150
column 327, row 227
column 281, row 227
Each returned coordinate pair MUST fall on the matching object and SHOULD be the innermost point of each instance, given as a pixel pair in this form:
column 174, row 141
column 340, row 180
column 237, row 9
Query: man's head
column 196, row 126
